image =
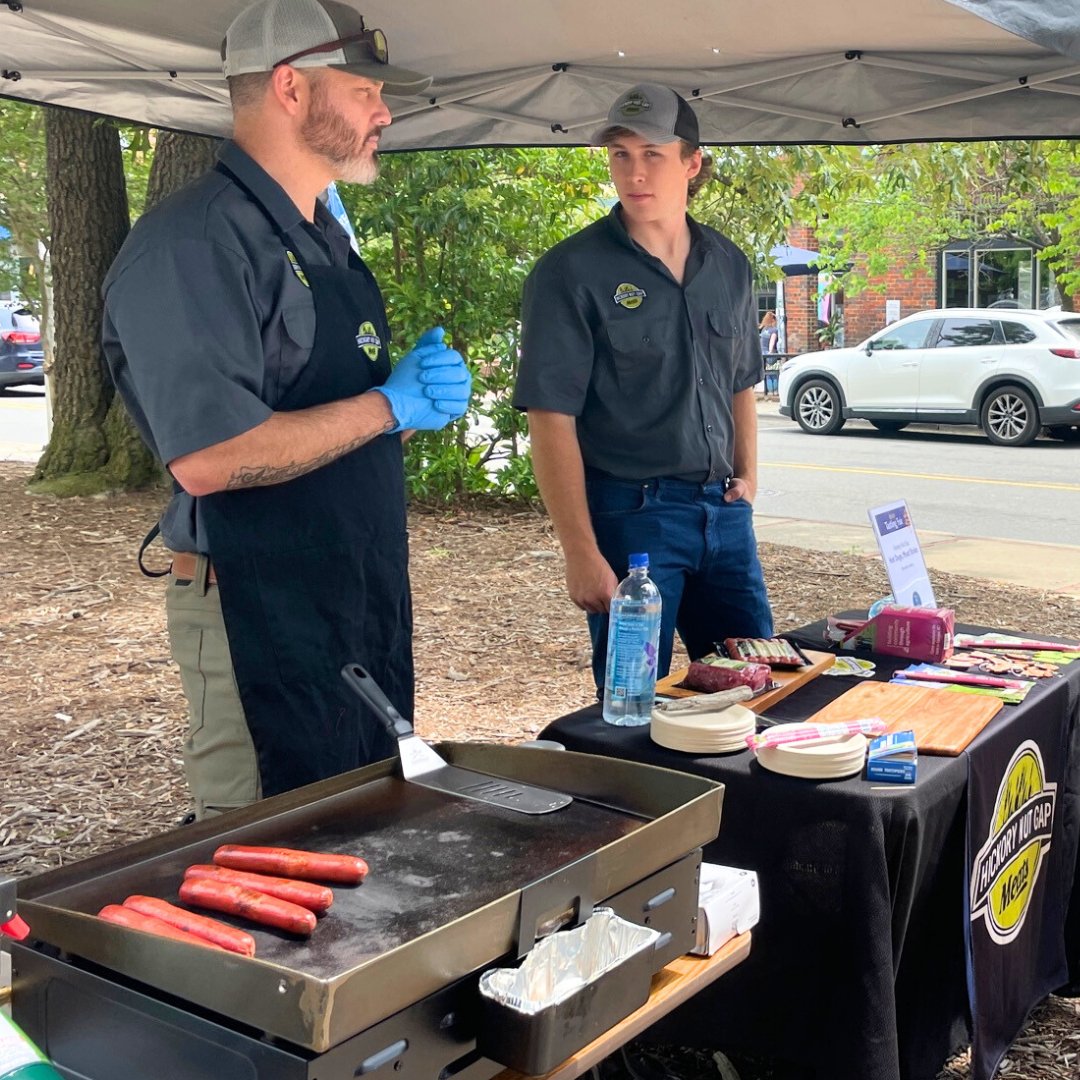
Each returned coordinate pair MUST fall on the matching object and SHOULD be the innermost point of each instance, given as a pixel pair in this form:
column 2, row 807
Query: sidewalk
column 1053, row 567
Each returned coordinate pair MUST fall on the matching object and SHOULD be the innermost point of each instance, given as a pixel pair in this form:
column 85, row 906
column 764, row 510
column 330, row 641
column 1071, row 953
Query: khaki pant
column 219, row 757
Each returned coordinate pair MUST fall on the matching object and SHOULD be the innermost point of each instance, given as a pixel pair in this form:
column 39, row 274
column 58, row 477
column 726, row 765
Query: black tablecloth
column 858, row 963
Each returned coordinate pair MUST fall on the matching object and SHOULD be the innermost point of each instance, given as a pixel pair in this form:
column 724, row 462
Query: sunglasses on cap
column 373, row 41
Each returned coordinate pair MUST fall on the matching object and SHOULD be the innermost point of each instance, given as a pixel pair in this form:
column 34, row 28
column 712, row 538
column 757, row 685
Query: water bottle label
column 16, row 1049
column 634, row 654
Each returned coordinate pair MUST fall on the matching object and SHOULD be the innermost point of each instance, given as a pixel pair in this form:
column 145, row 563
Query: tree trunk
column 88, row 220
column 178, row 159
column 94, row 445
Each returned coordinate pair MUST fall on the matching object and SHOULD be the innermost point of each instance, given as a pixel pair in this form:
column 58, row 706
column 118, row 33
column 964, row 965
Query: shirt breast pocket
column 727, row 339
column 299, row 323
column 640, row 349
column 289, row 343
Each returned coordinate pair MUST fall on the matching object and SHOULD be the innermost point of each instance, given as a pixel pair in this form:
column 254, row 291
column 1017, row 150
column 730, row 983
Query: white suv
column 1011, row 371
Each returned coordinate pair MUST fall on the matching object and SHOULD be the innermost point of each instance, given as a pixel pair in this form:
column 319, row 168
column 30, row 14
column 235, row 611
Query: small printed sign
column 902, row 555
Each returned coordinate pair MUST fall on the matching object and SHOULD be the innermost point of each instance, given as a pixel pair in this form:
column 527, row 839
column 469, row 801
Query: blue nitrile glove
column 429, row 386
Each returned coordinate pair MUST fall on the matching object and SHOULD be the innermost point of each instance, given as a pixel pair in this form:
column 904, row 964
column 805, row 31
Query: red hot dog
column 306, row 865
column 227, row 937
column 137, row 921
column 256, row 906
column 317, row 898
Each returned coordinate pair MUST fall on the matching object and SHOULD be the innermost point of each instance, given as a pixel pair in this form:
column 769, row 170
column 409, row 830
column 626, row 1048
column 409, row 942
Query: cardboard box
column 911, row 632
column 893, row 758
column 727, row 906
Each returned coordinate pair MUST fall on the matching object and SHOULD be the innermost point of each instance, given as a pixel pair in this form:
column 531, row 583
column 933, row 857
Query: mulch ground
column 92, row 716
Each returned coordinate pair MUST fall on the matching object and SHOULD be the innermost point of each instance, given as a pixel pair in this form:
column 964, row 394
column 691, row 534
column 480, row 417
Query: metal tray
column 450, row 880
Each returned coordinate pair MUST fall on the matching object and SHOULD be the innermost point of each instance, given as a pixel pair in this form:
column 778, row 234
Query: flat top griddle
column 450, row 885
column 434, row 858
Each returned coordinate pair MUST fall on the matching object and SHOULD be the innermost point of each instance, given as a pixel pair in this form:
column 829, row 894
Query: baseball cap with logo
column 310, row 33
column 654, row 112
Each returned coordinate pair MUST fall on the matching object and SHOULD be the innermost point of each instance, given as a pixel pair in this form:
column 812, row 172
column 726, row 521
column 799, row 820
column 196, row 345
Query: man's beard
column 328, row 133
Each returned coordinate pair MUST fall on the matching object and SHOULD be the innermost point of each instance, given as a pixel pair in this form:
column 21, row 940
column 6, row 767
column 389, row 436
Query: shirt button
column 708, row 428
column 702, row 381
column 646, row 340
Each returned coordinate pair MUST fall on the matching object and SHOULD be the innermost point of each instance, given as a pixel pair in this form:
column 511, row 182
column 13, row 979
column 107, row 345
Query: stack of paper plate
column 815, row 759
column 720, row 732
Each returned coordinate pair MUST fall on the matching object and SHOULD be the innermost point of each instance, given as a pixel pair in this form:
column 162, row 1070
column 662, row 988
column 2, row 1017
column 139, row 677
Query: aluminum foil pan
column 564, row 963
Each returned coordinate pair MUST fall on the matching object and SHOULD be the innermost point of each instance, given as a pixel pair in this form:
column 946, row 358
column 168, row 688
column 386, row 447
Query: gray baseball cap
column 654, row 112
column 308, row 34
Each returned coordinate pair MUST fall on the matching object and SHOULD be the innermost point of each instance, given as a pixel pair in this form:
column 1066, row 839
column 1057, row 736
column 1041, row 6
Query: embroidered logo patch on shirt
column 297, row 269
column 629, row 296
column 368, row 341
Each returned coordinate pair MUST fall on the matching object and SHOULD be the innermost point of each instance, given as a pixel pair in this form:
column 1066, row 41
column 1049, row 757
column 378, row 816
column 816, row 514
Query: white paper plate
column 723, row 732
column 817, row 759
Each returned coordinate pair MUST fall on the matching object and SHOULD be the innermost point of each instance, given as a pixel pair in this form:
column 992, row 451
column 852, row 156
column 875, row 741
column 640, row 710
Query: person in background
column 250, row 345
column 638, row 365
column 770, row 339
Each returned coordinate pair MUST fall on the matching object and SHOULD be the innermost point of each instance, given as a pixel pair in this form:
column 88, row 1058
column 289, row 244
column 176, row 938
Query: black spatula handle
column 370, row 691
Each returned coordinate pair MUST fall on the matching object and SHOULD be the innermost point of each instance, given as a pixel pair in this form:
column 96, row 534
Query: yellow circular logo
column 629, row 296
column 1005, row 870
column 368, row 341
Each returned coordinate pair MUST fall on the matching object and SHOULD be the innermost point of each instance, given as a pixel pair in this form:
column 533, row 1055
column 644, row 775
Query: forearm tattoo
column 248, row 476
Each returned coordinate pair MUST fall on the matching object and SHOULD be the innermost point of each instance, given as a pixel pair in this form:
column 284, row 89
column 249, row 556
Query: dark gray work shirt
column 207, row 321
column 648, row 366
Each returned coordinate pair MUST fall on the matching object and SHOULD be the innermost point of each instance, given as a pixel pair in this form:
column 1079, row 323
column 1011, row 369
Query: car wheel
column 1064, row 432
column 1009, row 417
column 817, row 408
column 889, row 425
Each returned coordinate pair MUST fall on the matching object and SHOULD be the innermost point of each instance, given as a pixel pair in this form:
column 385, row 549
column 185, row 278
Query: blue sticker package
column 893, row 758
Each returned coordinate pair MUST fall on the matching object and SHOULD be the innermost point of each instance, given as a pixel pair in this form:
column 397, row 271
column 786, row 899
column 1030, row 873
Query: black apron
column 313, row 573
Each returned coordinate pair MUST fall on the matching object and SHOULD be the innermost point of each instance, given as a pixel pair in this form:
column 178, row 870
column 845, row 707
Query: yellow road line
column 918, row 476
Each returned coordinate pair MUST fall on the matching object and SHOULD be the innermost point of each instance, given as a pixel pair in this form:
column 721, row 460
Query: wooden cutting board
column 944, row 722
column 790, row 679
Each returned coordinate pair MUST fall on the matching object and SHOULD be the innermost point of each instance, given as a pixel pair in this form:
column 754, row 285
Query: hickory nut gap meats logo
column 368, row 340
column 1007, row 866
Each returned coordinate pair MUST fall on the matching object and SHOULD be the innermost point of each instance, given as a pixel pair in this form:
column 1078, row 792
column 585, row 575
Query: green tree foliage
column 877, row 207
column 758, row 191
column 450, row 237
column 22, row 201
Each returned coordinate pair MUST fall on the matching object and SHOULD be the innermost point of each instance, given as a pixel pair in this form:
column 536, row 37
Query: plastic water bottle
column 20, row 1059
column 633, row 641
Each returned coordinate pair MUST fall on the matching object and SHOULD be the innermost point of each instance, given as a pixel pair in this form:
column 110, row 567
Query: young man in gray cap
column 250, row 345
column 639, row 358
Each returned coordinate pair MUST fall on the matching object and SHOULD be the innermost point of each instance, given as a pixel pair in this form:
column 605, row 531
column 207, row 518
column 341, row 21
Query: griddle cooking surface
column 434, row 858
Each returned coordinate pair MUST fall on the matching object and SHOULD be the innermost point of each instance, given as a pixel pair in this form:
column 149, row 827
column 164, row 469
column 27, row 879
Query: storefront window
column 956, row 279
column 994, row 275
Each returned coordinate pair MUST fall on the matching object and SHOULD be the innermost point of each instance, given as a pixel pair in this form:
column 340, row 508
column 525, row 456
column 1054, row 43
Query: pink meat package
column 913, row 632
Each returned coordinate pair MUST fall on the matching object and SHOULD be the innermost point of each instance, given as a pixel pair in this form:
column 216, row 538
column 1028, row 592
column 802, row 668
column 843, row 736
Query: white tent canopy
column 514, row 73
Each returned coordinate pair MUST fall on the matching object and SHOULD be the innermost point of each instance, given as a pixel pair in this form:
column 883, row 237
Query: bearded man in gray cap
column 250, row 345
column 639, row 359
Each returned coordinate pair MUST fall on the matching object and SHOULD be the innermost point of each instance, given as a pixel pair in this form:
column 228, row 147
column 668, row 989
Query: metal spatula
column 422, row 765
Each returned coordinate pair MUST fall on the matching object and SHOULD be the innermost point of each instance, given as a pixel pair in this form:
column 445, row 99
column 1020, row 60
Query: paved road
column 953, row 479
column 22, row 423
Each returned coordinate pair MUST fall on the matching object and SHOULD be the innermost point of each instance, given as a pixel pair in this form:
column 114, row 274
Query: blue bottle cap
column 640, row 560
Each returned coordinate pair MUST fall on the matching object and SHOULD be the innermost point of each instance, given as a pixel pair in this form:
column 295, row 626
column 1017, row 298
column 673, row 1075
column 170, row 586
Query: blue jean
column 772, row 380
column 702, row 557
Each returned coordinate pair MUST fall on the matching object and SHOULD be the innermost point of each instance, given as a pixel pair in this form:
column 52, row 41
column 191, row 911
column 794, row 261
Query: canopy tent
column 511, row 73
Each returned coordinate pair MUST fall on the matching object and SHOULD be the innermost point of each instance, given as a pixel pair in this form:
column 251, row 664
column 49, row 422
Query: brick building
column 993, row 272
